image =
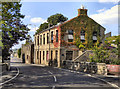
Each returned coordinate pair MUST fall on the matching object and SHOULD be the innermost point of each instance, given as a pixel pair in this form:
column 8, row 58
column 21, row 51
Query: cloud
column 27, row 16
column 101, row 10
column 17, row 46
column 109, row 16
column 37, row 20
column 32, row 29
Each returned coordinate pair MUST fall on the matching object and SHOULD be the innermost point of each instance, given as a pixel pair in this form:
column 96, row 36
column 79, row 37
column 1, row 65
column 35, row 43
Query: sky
column 102, row 11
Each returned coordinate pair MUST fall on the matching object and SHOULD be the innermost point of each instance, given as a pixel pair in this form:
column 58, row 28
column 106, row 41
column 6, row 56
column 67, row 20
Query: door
column 69, row 55
column 23, row 58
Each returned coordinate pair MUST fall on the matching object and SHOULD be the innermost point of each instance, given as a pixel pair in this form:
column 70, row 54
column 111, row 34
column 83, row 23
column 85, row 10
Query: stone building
column 27, row 53
column 58, row 43
column 108, row 35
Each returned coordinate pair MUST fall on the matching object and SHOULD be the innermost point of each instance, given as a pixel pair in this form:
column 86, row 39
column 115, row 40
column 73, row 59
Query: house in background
column 57, row 43
column 15, row 53
column 27, row 52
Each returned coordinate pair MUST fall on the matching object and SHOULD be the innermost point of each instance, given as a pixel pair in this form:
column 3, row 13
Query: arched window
column 94, row 36
column 82, row 36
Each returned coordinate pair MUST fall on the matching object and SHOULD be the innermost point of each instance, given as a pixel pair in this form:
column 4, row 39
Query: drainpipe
column 49, row 41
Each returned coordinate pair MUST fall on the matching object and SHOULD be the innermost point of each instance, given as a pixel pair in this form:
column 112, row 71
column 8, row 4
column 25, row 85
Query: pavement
column 34, row 76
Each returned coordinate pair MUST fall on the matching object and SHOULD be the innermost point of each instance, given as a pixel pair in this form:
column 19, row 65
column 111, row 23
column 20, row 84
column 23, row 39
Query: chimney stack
column 82, row 11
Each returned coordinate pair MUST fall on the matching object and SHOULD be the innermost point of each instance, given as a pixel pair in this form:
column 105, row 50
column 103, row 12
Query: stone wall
column 4, row 67
column 87, row 67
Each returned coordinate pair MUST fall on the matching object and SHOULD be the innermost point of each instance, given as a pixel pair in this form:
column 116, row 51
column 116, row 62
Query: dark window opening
column 56, row 35
column 27, row 56
column 40, row 57
column 44, row 39
column 56, row 54
column 70, row 32
column 38, row 40
column 52, row 37
column 47, row 56
column 70, row 40
column 37, row 54
column 69, row 55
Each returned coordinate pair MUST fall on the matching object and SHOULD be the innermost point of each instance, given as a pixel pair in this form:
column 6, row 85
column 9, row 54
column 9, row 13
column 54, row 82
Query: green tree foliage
column 100, row 55
column 54, row 19
column 42, row 27
column 113, row 40
column 13, row 28
column 19, row 52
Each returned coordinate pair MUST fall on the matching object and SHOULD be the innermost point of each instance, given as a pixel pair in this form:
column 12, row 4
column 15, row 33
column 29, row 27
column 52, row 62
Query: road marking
column 53, row 76
column 53, row 87
column 11, row 78
column 114, row 85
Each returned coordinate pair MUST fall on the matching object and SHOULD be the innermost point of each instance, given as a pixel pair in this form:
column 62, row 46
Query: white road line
column 53, row 76
column 114, row 85
column 11, row 78
column 53, row 87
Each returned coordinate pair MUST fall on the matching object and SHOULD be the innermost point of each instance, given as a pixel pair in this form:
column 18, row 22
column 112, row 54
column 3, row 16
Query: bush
column 19, row 52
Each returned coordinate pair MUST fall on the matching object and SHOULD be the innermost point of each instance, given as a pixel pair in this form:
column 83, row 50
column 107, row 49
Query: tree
column 54, row 19
column 19, row 52
column 100, row 55
column 42, row 27
column 13, row 28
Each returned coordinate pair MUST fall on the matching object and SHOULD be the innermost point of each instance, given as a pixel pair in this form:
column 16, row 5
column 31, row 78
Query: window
column 69, row 55
column 43, row 55
column 40, row 39
column 94, row 36
column 70, row 40
column 70, row 32
column 44, row 39
column 47, row 38
column 70, row 35
column 27, row 56
column 47, row 56
column 56, row 35
column 82, row 36
column 52, row 37
column 40, row 57
column 51, row 55
column 37, row 54
column 56, row 54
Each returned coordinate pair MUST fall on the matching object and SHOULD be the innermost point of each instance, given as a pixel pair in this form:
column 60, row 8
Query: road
column 43, row 77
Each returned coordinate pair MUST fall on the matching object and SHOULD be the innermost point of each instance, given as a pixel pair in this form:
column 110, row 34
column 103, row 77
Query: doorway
column 23, row 58
column 69, row 55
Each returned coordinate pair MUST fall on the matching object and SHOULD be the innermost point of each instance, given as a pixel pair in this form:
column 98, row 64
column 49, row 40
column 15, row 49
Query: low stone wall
column 3, row 67
column 87, row 67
